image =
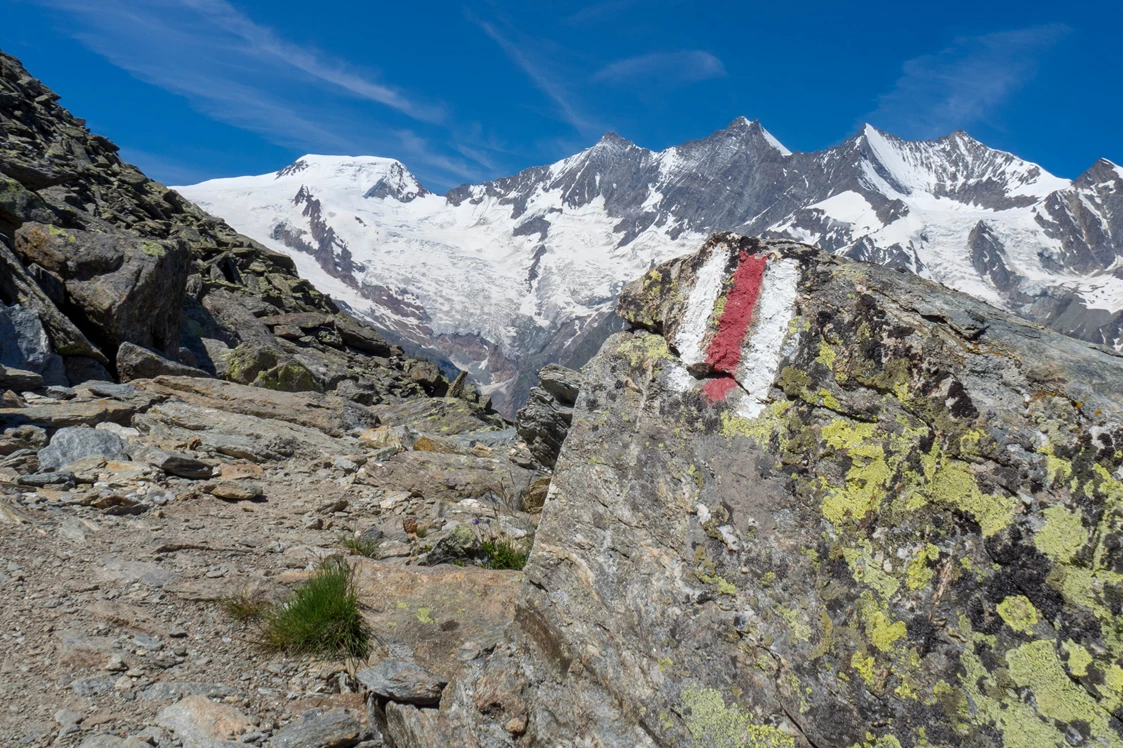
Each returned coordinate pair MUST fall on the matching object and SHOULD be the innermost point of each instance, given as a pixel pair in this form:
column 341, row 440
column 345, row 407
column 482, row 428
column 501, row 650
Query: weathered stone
column 23, row 341
column 70, row 444
column 562, row 383
column 357, row 335
column 826, row 504
column 112, row 741
column 80, row 369
column 335, row 728
column 129, row 289
column 135, row 362
column 327, row 413
column 441, row 416
column 543, row 424
column 16, row 285
column 202, row 723
column 234, row 490
column 459, row 545
column 436, row 475
column 426, row 373
column 173, row 463
column 19, row 380
column 404, row 682
column 247, row 361
column 55, row 478
column 57, row 415
column 536, row 495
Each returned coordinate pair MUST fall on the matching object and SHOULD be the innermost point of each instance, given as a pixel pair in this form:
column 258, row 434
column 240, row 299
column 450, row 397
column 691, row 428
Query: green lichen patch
column 713, row 724
column 645, row 350
column 1063, row 535
column 1018, row 613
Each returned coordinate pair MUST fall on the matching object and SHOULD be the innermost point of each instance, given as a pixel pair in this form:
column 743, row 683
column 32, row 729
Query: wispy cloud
column 241, row 73
column 598, row 11
column 544, row 81
column 264, row 42
column 965, row 83
column 665, row 67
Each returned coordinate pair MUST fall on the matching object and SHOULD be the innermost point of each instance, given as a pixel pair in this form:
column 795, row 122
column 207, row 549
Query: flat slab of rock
column 71, row 444
column 335, row 728
column 173, row 463
column 237, row 435
column 442, row 416
column 19, row 380
column 57, row 415
column 437, row 475
column 135, row 362
column 202, row 723
column 433, row 611
column 234, row 490
column 332, row 415
column 403, row 682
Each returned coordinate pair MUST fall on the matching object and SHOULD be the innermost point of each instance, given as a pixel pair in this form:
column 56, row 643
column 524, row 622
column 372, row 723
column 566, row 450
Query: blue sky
column 194, row 89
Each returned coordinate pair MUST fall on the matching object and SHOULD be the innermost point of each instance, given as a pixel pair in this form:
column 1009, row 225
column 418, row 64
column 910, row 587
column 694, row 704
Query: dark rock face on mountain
column 809, row 502
column 100, row 257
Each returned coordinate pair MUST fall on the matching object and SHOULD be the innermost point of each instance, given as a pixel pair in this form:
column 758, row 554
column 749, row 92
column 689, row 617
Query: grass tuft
column 359, row 546
column 504, row 553
column 320, row 617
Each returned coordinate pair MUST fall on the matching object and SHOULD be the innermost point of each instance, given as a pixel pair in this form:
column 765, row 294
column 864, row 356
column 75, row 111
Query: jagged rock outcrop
column 102, row 257
column 544, row 421
column 811, row 502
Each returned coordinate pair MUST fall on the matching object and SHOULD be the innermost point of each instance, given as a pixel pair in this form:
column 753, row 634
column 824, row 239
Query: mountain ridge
column 502, row 277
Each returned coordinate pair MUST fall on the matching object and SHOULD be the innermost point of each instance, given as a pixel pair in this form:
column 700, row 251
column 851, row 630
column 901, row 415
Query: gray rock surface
column 877, row 542
column 335, row 728
column 403, row 682
column 19, row 380
column 71, row 444
column 135, row 362
column 544, row 421
column 127, row 288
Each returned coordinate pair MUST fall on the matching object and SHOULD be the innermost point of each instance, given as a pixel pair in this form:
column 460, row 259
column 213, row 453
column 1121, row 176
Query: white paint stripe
column 700, row 306
column 760, row 352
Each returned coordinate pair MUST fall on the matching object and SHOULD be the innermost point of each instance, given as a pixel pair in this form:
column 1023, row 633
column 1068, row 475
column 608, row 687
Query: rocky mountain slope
column 185, row 425
column 503, row 277
column 800, row 502
column 106, row 274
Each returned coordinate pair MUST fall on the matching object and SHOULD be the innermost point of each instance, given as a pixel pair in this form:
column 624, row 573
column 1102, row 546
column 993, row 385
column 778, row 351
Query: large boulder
column 119, row 288
column 137, row 362
column 811, row 502
column 70, row 444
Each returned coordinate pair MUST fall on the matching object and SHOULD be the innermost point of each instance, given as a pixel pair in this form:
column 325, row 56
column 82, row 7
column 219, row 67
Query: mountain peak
column 1098, row 173
column 613, row 140
column 753, row 128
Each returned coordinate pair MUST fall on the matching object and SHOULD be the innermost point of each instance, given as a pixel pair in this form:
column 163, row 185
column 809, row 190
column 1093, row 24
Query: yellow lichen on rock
column 713, row 724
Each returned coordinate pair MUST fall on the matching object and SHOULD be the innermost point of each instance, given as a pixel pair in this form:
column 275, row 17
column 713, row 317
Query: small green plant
column 359, row 545
column 321, row 616
column 245, row 607
column 504, row 553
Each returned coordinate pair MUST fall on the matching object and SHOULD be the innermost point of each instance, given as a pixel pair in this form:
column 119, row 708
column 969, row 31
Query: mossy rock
column 287, row 377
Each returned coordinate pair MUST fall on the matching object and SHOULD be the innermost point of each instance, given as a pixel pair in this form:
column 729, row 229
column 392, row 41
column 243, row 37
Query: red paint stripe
column 724, row 351
column 718, row 388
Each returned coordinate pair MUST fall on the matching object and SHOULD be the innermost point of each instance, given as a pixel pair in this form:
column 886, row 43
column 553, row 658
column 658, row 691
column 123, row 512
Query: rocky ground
column 115, row 568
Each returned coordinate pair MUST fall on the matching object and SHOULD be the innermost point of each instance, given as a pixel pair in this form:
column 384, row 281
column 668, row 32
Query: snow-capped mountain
column 503, row 277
